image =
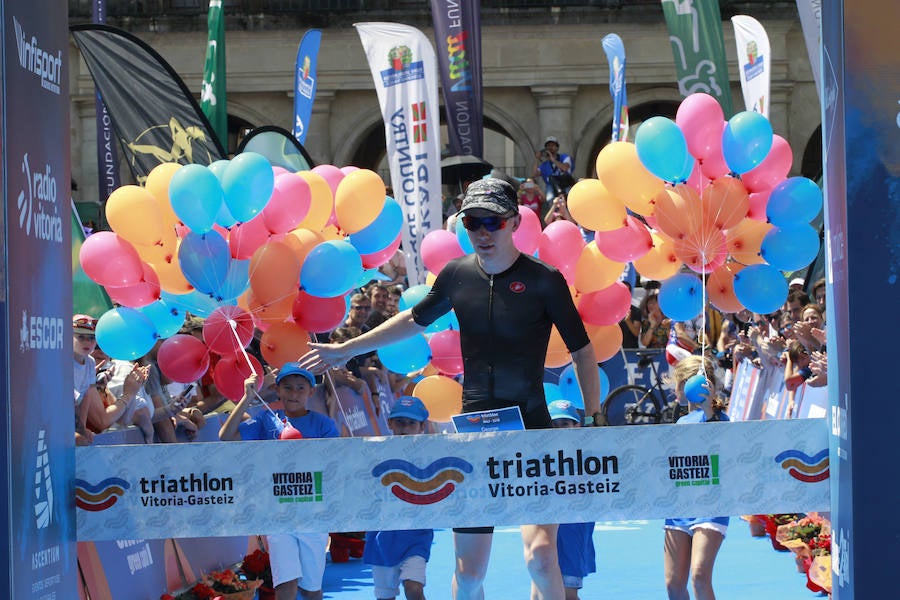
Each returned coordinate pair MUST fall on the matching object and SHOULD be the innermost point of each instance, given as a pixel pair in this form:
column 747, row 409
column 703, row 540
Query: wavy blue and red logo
column 422, row 486
column 100, row 496
column 803, row 467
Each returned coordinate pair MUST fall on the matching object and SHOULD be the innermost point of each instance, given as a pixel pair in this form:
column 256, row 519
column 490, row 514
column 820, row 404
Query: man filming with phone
column 554, row 167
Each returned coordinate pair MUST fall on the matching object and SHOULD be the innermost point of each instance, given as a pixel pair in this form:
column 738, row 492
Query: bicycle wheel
column 631, row 405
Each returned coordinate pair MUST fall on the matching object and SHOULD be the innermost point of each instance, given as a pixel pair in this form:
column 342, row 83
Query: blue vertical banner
column 615, row 54
column 39, row 423
column 305, row 82
column 457, row 42
column 861, row 143
column 107, row 153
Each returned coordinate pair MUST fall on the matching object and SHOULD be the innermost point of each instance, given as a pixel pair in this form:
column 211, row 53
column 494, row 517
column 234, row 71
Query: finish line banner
column 455, row 480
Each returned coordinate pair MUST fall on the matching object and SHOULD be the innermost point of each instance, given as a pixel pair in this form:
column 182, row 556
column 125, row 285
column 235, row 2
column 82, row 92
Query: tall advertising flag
column 754, row 60
column 107, row 153
column 457, row 37
column 305, row 82
column 404, row 68
column 212, row 93
column 695, row 32
column 615, row 54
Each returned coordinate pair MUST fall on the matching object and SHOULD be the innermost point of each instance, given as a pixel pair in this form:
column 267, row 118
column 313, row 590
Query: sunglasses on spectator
column 490, row 223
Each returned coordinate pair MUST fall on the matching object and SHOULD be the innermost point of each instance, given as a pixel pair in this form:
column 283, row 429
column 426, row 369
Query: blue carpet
column 629, row 566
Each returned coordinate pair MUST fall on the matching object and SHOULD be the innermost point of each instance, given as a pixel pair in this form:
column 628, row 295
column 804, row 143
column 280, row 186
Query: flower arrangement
column 773, row 522
column 218, row 585
column 256, row 566
column 809, row 538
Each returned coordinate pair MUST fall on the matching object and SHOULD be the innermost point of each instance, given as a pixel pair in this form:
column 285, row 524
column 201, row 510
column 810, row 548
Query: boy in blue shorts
column 574, row 541
column 297, row 559
column 400, row 556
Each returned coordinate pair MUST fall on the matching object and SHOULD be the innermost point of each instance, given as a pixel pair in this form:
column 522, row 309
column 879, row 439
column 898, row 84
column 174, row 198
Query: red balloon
column 219, row 334
column 290, row 432
column 183, row 358
column 110, row 260
column 606, row 307
column 446, row 354
column 245, row 238
column 376, row 259
column 318, row 315
column 138, row 294
column 230, row 373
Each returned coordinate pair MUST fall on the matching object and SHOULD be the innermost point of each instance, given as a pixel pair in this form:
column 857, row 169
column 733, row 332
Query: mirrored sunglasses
column 490, row 223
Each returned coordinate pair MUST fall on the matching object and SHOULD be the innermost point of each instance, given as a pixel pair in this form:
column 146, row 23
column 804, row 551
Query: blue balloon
column 236, row 281
column 661, row 146
column 462, row 236
column 413, row 295
column 331, row 269
column 196, row 303
column 204, row 260
column 407, row 355
column 791, row 247
column 570, row 390
column 370, row 275
column 223, row 217
column 444, row 322
column 760, row 288
column 746, row 141
column 681, row 297
column 552, row 392
column 125, row 333
column 248, row 183
column 793, row 201
column 167, row 317
column 695, row 389
column 195, row 196
column 382, row 232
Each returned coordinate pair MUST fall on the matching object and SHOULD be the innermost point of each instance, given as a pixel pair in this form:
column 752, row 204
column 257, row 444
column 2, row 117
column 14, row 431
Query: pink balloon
column 230, row 373
column 696, row 180
column 138, row 294
column 290, row 432
column 713, row 165
column 219, row 334
column 376, row 259
column 700, row 118
column 183, row 358
column 110, row 260
column 626, row 243
column 331, row 174
column 182, row 230
column 772, row 170
column 528, row 236
column 348, row 169
column 758, row 203
column 438, row 248
column 561, row 245
column 276, row 170
column 446, row 353
column 607, row 306
column 246, row 238
column 318, row 315
column 288, row 205
column 220, row 230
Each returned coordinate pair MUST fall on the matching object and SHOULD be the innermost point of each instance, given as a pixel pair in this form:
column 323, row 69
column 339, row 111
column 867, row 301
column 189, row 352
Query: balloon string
column 233, row 325
column 330, row 380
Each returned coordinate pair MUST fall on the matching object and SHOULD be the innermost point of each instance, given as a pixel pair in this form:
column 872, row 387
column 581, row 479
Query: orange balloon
column 625, row 176
column 321, row 203
column 441, row 395
column 594, row 272
column 720, row 287
column 134, row 214
column 359, row 200
column 744, row 240
column 302, row 241
column 171, row 279
column 557, row 353
column 266, row 315
column 594, row 207
column 677, row 211
column 429, row 370
column 725, row 202
column 158, row 184
column 283, row 342
column 660, row 263
column 331, row 232
column 430, row 278
column 274, row 272
column 606, row 340
column 703, row 250
column 164, row 251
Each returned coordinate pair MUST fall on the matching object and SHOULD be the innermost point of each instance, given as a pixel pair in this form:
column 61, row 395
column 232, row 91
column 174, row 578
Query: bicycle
column 640, row 405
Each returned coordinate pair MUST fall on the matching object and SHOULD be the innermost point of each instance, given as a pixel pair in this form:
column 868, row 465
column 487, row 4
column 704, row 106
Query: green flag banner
column 212, row 96
column 88, row 298
column 695, row 32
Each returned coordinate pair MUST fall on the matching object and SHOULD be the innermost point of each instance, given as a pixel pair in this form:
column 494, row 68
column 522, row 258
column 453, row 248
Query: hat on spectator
column 493, row 195
column 292, row 368
column 798, row 281
column 563, row 409
column 551, row 138
column 84, row 324
column 409, row 407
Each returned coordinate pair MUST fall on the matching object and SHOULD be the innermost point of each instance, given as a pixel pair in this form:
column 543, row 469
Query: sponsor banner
column 615, row 54
column 501, row 478
column 305, row 82
column 213, row 100
column 404, row 69
column 754, row 62
column 457, row 38
column 505, row 419
column 155, row 116
column 107, row 154
column 811, row 22
column 38, row 462
column 695, row 32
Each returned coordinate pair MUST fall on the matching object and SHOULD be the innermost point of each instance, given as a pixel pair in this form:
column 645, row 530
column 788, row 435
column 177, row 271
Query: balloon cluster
column 249, row 246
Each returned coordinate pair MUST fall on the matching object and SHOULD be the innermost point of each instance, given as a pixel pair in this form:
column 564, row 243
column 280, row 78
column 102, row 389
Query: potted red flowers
column 256, row 566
